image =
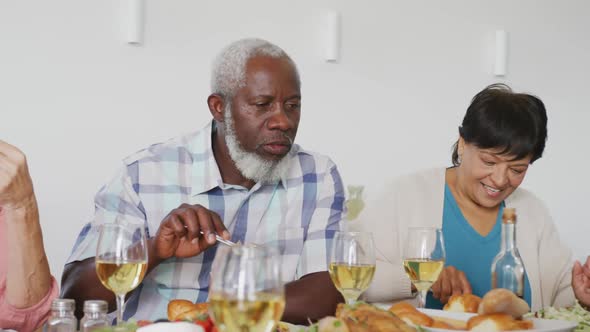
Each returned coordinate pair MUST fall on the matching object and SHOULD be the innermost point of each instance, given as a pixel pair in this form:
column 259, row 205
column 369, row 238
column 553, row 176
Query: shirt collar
column 205, row 172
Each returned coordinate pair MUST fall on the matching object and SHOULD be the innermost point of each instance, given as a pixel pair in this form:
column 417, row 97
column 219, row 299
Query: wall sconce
column 501, row 53
column 135, row 17
column 332, row 27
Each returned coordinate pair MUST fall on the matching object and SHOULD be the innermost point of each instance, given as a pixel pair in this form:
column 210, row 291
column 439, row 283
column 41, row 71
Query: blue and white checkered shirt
column 299, row 214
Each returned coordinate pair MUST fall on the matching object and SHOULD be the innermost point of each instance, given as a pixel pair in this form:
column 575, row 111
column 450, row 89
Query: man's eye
column 489, row 163
column 262, row 104
column 293, row 106
column 517, row 171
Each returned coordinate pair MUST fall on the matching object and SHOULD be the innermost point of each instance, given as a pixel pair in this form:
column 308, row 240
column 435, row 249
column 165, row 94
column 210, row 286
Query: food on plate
column 497, row 322
column 439, row 324
column 416, row 318
column 463, row 303
column 363, row 317
column 175, row 326
column 283, row 327
column 331, row 324
column 443, row 322
column 406, row 312
column 398, row 307
column 409, row 314
column 185, row 310
column 501, row 300
column 575, row 313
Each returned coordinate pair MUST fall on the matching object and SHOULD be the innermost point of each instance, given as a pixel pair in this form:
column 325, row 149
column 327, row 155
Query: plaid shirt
column 299, row 214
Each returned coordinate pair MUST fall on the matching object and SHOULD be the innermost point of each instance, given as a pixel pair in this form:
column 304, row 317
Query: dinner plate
column 539, row 324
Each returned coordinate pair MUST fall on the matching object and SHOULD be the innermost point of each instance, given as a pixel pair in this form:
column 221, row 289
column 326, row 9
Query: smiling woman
column 501, row 135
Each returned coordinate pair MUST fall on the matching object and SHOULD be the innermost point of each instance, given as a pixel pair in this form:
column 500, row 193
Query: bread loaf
column 185, row 310
column 501, row 300
column 497, row 322
column 463, row 303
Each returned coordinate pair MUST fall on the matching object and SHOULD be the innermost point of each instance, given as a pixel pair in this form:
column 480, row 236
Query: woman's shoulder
column 529, row 207
column 424, row 178
column 525, row 199
column 418, row 188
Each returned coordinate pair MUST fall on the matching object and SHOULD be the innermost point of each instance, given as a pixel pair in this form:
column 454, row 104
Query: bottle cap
column 63, row 304
column 95, row 306
column 509, row 216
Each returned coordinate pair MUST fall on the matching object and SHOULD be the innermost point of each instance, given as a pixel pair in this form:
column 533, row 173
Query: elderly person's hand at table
column 450, row 282
column 581, row 282
column 26, row 285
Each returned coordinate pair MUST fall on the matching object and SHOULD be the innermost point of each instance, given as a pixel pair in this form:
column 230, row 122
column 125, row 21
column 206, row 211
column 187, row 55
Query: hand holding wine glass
column 352, row 263
column 246, row 293
column 121, row 260
column 424, row 258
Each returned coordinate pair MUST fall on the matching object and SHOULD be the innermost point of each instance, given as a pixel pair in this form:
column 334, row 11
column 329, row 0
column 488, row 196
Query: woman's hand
column 450, row 282
column 581, row 282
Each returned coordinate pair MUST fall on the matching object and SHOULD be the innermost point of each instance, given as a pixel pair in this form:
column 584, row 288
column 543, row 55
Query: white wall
column 77, row 99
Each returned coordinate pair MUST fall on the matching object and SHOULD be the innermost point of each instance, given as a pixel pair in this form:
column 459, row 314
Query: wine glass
column 121, row 260
column 424, row 258
column 246, row 292
column 352, row 263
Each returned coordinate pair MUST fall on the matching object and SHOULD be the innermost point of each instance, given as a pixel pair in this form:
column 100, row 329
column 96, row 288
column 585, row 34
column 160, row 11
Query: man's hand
column 581, row 282
column 180, row 235
column 16, row 187
column 450, row 282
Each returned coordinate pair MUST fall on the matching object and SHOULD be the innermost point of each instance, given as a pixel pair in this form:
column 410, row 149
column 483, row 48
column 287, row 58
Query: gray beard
column 251, row 165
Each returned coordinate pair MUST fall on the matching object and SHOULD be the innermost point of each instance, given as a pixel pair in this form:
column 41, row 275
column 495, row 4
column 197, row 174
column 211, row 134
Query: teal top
column 469, row 251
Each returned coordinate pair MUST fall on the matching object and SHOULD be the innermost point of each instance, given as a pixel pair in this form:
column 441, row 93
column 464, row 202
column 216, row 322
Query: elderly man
column 240, row 175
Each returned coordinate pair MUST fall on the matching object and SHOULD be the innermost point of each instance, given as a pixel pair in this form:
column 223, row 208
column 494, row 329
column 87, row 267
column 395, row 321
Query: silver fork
column 228, row 242
column 224, row 241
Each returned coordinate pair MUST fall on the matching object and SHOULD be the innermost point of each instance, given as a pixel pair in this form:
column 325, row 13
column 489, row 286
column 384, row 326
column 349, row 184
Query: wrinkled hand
column 16, row 187
column 179, row 233
column 450, row 282
column 581, row 282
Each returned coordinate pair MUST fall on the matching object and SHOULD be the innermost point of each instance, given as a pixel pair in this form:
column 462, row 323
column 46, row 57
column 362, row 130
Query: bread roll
column 456, row 324
column 439, row 324
column 415, row 318
column 399, row 307
column 463, row 303
column 497, row 322
column 185, row 310
column 501, row 300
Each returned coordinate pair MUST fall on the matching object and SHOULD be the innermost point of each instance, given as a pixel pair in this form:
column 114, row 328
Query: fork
column 228, row 242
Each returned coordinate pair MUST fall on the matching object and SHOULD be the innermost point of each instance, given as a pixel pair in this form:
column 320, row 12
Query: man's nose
column 279, row 119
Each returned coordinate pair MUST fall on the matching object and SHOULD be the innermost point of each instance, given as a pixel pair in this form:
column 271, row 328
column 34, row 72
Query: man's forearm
column 80, row 282
column 310, row 298
column 28, row 278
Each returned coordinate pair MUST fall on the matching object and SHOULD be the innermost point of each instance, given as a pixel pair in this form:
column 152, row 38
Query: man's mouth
column 277, row 148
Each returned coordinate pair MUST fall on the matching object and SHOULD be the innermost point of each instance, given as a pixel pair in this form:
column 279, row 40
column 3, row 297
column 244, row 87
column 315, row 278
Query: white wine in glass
column 352, row 263
column 424, row 258
column 246, row 293
column 121, row 260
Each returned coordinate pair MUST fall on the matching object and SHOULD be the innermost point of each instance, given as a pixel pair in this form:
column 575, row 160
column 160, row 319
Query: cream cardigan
column 417, row 200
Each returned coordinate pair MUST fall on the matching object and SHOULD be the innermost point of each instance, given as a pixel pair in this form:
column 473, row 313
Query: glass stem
column 422, row 298
column 120, row 307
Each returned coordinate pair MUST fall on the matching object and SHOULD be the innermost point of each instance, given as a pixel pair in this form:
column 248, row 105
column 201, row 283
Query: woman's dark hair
column 516, row 123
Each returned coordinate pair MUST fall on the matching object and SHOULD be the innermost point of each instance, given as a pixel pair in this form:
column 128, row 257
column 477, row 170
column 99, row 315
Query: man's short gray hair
column 229, row 68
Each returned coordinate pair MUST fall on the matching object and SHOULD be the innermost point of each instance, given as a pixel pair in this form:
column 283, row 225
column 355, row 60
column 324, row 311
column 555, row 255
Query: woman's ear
column 460, row 147
column 216, row 106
